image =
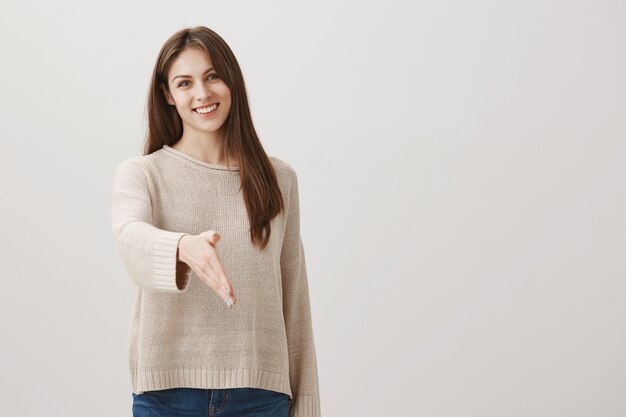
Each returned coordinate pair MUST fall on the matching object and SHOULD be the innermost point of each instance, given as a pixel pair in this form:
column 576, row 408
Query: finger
column 225, row 288
column 216, row 283
column 223, row 285
column 211, row 236
column 216, row 264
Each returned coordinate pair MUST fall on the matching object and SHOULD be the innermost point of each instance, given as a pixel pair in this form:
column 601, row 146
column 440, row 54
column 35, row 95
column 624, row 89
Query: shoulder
column 134, row 173
column 139, row 165
column 130, row 167
column 284, row 170
column 287, row 179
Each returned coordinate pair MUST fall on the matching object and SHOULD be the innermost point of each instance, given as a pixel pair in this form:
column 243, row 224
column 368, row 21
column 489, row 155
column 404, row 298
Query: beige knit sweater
column 188, row 337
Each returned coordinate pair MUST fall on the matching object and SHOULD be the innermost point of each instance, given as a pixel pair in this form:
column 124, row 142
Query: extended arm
column 149, row 254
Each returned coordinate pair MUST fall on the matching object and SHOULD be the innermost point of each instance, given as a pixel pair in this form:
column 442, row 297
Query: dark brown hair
column 261, row 192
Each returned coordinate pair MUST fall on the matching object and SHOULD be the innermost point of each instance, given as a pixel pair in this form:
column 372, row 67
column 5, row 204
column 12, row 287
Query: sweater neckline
column 199, row 161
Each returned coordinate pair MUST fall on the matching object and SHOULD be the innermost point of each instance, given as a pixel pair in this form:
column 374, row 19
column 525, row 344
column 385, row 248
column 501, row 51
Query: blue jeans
column 197, row 402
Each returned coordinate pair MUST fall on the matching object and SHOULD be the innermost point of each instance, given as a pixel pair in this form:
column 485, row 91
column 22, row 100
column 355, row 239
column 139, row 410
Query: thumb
column 211, row 235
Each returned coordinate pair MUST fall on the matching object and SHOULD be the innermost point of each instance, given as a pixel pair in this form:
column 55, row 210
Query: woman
column 215, row 327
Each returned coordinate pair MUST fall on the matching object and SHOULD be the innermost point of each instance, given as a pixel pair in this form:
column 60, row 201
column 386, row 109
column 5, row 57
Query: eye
column 214, row 74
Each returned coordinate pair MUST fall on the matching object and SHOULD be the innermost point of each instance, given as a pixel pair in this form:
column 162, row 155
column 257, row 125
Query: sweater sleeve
column 149, row 254
column 303, row 373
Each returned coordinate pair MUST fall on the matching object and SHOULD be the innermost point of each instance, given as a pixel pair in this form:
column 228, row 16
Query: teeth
column 207, row 109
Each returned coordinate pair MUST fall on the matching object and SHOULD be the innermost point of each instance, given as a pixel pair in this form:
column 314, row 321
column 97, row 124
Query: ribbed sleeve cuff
column 164, row 261
column 305, row 406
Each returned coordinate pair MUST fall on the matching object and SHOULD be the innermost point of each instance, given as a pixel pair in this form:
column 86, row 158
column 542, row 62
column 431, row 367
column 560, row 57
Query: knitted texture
column 182, row 334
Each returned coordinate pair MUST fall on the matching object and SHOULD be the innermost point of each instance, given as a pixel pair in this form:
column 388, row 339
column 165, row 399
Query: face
column 194, row 87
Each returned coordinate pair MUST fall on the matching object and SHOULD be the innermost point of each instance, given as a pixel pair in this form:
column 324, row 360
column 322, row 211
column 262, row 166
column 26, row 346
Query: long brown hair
column 261, row 192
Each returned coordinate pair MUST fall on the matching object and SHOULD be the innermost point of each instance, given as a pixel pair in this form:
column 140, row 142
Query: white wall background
column 462, row 169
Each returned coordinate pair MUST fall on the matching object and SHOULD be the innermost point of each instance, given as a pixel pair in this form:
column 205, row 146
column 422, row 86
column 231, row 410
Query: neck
column 207, row 149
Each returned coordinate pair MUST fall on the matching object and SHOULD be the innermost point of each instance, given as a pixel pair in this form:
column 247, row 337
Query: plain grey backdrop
column 461, row 168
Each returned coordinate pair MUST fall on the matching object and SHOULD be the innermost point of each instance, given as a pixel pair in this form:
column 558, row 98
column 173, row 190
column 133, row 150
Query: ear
column 168, row 96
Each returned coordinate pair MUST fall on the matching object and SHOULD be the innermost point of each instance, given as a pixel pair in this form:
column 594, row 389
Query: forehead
column 191, row 61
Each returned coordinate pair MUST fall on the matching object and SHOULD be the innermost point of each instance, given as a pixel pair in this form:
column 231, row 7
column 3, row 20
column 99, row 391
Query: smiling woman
column 197, row 91
column 187, row 350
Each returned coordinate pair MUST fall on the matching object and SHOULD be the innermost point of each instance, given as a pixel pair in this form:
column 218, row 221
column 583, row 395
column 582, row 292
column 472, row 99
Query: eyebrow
column 189, row 76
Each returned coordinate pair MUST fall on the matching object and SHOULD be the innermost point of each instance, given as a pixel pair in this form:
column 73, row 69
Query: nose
column 202, row 91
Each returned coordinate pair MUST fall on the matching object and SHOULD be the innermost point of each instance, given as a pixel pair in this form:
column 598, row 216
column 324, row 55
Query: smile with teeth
column 205, row 110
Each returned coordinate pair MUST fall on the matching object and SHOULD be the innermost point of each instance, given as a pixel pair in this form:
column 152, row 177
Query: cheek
column 173, row 98
column 224, row 91
column 225, row 99
column 228, row 100
column 177, row 97
column 227, row 107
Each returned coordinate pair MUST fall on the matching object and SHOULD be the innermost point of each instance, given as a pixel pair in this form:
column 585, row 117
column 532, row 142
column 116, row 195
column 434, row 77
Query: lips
column 207, row 114
column 206, row 105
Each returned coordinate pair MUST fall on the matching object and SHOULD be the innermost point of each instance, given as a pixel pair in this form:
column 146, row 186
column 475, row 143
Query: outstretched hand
column 200, row 253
